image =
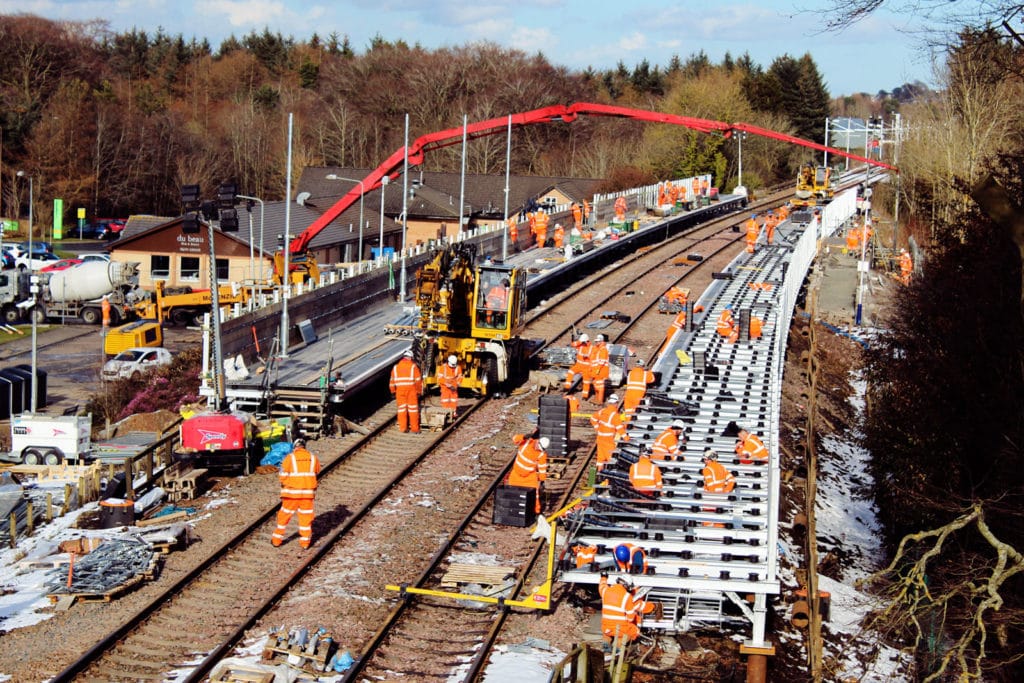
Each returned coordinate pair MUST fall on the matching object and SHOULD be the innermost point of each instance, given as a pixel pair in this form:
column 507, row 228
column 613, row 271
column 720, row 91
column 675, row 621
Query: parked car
column 62, row 264
column 134, row 362
column 94, row 257
column 36, row 262
column 21, row 248
column 89, row 231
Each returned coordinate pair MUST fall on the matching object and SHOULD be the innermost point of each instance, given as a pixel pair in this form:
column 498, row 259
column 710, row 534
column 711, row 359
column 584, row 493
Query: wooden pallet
column 485, row 575
column 242, row 673
column 310, row 663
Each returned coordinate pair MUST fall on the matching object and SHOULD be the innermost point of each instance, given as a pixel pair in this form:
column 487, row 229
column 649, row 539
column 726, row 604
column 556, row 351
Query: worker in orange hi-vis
column 695, row 187
column 559, row 236
column 853, row 240
column 298, row 491
column 645, row 476
column 620, row 210
column 783, row 212
column 105, row 308
column 406, row 386
column 636, row 387
column 770, row 222
column 906, row 266
column 673, row 194
column 670, row 442
column 530, row 468
column 705, row 187
column 577, row 216
column 586, row 211
column 540, row 228
column 621, row 610
column 750, row 448
column 449, row 378
column 600, row 369
column 581, row 366
column 717, row 479
column 726, row 322
column 611, row 429
column 676, row 295
column 662, row 194
column 513, row 234
column 753, row 230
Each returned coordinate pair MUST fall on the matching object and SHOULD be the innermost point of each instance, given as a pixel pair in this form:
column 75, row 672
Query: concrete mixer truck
column 78, row 292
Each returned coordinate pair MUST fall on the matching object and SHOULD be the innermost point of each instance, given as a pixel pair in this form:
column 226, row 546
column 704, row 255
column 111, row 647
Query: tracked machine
column 813, row 186
column 475, row 313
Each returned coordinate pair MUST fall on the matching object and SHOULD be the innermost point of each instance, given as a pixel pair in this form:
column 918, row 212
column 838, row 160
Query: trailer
column 40, row 439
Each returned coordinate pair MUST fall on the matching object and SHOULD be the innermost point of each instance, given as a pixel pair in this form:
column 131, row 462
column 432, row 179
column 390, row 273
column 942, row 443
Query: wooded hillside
column 117, row 122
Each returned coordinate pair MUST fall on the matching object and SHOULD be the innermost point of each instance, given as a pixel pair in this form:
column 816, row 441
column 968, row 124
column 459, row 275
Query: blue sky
column 871, row 56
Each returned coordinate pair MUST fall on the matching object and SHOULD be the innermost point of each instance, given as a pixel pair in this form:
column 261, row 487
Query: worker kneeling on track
column 645, row 476
column 622, row 609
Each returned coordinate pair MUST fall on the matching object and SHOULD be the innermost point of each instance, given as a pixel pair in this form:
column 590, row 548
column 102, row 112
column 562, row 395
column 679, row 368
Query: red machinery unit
column 218, row 441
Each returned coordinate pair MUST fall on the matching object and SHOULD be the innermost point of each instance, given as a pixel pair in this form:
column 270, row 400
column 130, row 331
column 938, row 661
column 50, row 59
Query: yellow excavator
column 813, row 186
column 475, row 313
column 186, row 308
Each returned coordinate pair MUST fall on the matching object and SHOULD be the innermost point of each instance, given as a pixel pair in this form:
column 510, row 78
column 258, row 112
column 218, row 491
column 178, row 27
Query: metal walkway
column 712, row 558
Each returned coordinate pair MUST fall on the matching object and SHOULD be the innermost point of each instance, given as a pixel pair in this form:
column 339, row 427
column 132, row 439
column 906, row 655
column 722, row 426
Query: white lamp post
column 252, row 264
column 383, row 184
column 34, row 290
column 362, row 191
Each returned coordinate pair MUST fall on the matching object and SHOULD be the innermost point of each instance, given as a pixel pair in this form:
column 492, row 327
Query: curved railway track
column 375, row 491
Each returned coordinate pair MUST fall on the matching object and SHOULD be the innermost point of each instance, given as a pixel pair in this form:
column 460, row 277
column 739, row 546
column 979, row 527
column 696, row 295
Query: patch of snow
column 520, row 664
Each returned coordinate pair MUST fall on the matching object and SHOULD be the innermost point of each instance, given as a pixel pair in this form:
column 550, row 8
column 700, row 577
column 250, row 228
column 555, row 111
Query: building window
column 189, row 268
column 160, row 267
column 222, row 269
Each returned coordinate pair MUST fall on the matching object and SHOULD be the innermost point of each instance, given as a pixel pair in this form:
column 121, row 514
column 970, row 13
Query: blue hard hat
column 622, row 553
column 753, row 215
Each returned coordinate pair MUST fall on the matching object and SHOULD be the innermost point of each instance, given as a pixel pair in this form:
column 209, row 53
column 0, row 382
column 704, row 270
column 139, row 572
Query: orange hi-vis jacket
column 666, row 446
column 559, row 236
column 678, row 325
column 610, row 429
column 406, row 375
column 540, row 228
column 585, row 554
column 531, row 465
column 620, row 208
column 753, row 229
column 586, row 210
column 750, row 449
column 449, row 377
column 725, row 323
column 584, row 350
column 636, row 387
column 620, row 612
column 513, row 230
column 717, row 479
column 645, row 476
column 298, row 474
column 695, row 186
column 599, row 367
column 577, row 215
column 906, row 267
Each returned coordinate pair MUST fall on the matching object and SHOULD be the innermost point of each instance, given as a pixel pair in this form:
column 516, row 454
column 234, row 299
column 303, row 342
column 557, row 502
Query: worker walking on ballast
column 449, row 378
column 299, row 471
column 407, row 386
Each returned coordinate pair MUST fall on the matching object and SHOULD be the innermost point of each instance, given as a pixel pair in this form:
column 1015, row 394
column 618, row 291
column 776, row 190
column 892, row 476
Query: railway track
column 368, row 489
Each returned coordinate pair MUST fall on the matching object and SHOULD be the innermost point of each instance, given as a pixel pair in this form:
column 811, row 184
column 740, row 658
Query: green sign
column 9, row 225
column 58, row 219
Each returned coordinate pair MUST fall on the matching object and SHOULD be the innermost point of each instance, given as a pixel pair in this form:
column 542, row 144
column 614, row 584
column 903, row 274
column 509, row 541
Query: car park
column 36, row 262
column 134, row 362
column 89, row 231
column 7, row 256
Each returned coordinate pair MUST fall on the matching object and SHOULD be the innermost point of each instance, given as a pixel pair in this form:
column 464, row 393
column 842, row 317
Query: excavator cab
column 498, row 302
column 301, row 267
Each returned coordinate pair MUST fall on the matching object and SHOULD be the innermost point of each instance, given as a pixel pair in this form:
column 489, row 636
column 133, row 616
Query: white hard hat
column 678, row 424
column 640, row 362
column 584, row 338
column 710, row 455
column 614, row 398
column 408, row 353
column 545, row 442
column 600, row 338
column 453, row 361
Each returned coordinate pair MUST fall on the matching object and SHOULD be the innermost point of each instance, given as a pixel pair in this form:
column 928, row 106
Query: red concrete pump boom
column 558, row 113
